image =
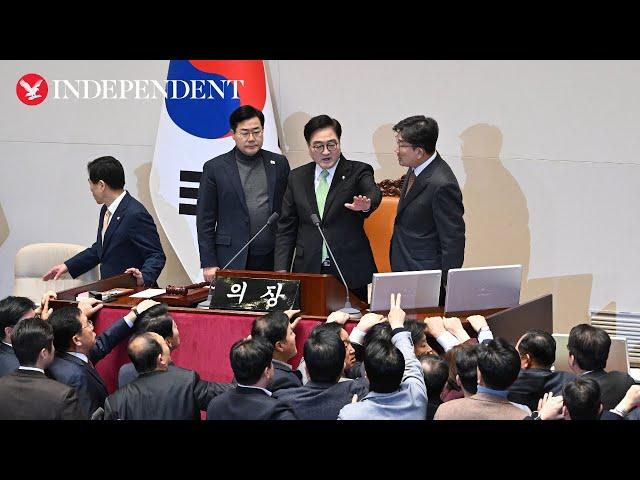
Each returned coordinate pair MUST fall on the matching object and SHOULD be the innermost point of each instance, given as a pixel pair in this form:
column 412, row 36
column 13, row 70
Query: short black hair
column 249, row 358
column 66, row 323
column 109, row 170
column 499, row 363
column 29, row 337
column 380, row 331
column 272, row 327
column 582, row 398
column 12, row 309
column 245, row 112
column 435, row 371
column 416, row 329
column 155, row 319
column 466, row 364
column 590, row 346
column 155, row 311
column 419, row 131
column 540, row 345
column 384, row 364
column 318, row 123
column 144, row 359
column 324, row 355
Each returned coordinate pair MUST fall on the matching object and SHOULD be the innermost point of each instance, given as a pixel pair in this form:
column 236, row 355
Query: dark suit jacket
column 613, row 386
column 321, row 401
column 8, row 361
column 131, row 240
column 342, row 227
column 78, row 374
column 284, row 377
column 222, row 213
column 30, row 395
column 533, row 383
column 168, row 395
column 208, row 390
column 429, row 231
column 243, row 403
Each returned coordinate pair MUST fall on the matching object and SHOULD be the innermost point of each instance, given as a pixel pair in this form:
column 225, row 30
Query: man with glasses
column 342, row 193
column 429, row 231
column 238, row 192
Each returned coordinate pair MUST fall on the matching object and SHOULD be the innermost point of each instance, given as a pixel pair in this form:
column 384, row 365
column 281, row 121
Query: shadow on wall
column 173, row 273
column 4, row 227
column 384, row 144
column 497, row 223
column 294, row 146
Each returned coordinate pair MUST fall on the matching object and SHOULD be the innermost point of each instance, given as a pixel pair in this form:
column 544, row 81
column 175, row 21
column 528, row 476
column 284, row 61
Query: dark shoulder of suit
column 283, row 378
column 243, row 403
column 8, row 360
column 312, row 403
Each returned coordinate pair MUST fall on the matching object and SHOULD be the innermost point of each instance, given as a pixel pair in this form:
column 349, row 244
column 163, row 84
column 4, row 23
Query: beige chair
column 33, row 261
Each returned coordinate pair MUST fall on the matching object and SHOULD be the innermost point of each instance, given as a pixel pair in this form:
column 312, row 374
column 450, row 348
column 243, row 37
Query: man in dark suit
column 588, row 353
column 322, row 397
column 12, row 310
column 250, row 400
column 127, row 238
column 27, row 394
column 238, row 193
column 78, row 349
column 342, row 193
column 157, row 320
column 537, row 351
column 159, row 393
column 275, row 328
column 429, row 231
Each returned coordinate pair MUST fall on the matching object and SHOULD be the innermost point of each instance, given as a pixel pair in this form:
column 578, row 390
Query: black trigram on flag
column 189, row 193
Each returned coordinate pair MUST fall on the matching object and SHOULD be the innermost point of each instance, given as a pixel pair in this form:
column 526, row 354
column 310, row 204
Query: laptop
column 419, row 289
column 618, row 354
column 482, row 288
column 511, row 323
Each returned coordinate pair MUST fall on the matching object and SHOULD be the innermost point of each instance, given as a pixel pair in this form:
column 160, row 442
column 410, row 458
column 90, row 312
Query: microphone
column 354, row 312
column 272, row 219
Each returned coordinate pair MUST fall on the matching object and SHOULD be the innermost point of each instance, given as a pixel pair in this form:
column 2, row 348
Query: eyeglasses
column 408, row 145
column 89, row 324
column 246, row 135
column 319, row 147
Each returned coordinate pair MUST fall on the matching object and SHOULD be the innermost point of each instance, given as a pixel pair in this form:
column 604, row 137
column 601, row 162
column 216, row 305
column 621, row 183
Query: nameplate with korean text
column 256, row 294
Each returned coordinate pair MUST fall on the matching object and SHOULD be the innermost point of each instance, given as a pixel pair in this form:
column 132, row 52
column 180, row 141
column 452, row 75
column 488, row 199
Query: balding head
column 149, row 352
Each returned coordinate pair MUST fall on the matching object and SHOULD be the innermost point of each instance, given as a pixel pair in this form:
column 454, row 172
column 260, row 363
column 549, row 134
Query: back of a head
column 540, row 345
column 499, row 364
column 465, row 359
column 107, row 169
column 384, row 364
column 245, row 112
column 249, row 358
column 160, row 324
column 320, row 122
column 155, row 311
column 143, row 351
column 66, row 323
column 29, row 337
column 416, row 329
column 272, row 327
column 380, row 331
column 436, row 372
column 590, row 346
column 12, row 309
column 324, row 355
column 582, row 398
column 419, row 131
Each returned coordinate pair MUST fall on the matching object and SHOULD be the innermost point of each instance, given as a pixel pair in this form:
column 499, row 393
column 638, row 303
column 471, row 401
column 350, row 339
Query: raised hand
column 55, row 272
column 454, row 325
column 137, row 274
column 434, row 326
column 89, row 306
column 368, row 320
column 360, row 204
column 477, row 322
column 338, row 317
column 396, row 314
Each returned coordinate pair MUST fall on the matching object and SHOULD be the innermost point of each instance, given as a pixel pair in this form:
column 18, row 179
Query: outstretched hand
column 360, row 204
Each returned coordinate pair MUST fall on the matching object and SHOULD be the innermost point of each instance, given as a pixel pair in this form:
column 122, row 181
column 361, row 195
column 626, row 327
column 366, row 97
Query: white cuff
column 357, row 336
column 485, row 335
column 447, row 341
column 129, row 322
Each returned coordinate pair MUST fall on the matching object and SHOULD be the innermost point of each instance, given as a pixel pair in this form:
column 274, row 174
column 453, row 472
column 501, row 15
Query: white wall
column 544, row 152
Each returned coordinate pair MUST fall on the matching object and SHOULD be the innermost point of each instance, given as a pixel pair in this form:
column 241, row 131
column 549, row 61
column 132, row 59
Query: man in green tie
column 342, row 193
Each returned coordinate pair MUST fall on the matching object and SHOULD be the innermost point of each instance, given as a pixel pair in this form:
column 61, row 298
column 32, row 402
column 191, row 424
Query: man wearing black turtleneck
column 238, row 192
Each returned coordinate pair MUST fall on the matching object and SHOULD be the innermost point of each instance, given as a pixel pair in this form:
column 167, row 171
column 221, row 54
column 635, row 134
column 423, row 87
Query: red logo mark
column 32, row 89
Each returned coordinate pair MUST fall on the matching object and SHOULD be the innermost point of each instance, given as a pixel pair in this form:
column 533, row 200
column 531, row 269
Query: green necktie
column 321, row 197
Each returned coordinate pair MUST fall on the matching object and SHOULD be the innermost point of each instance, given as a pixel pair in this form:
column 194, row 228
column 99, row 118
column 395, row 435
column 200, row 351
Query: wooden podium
column 319, row 294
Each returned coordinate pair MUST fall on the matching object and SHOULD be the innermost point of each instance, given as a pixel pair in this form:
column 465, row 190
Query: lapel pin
column 117, row 218
column 272, row 162
column 343, row 177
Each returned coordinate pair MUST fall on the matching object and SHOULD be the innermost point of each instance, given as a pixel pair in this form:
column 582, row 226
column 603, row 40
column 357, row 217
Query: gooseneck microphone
column 354, row 312
column 272, row 219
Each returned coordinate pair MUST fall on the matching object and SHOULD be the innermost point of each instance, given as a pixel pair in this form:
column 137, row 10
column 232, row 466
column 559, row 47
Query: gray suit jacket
column 480, row 406
column 407, row 403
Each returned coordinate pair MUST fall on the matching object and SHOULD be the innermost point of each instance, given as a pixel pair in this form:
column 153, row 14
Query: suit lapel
column 309, row 186
column 337, row 183
column 270, row 170
column 116, row 218
column 92, row 371
column 231, row 168
column 419, row 184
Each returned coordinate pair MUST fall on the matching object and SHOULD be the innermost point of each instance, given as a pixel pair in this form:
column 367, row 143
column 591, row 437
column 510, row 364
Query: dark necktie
column 411, row 177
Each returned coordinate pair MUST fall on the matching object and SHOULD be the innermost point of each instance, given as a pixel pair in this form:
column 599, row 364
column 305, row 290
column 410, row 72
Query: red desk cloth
column 205, row 341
